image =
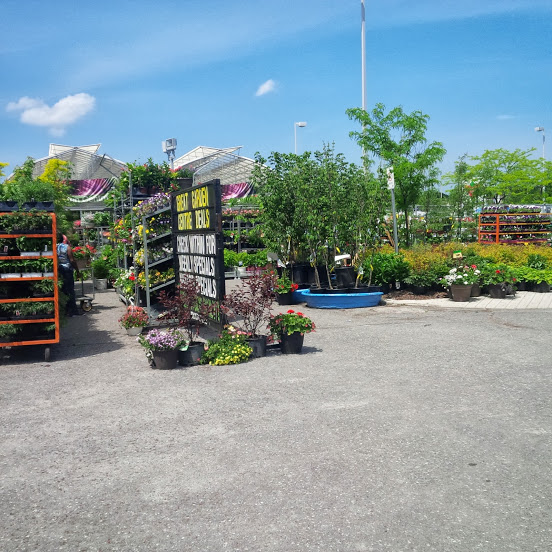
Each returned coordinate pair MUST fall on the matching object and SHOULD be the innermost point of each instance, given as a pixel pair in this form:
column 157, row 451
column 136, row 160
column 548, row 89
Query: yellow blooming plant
column 230, row 348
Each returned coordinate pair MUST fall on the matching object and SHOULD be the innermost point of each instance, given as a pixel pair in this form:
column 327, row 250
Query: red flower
column 132, row 277
column 299, row 314
column 290, row 311
column 498, row 271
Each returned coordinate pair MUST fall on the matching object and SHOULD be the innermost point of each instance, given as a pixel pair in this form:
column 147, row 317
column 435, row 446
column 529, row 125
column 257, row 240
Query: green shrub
column 385, row 268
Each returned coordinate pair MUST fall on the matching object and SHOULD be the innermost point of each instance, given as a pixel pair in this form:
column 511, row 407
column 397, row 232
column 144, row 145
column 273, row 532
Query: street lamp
column 541, row 129
column 295, row 125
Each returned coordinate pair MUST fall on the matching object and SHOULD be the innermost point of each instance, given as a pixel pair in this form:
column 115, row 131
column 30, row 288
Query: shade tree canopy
column 398, row 139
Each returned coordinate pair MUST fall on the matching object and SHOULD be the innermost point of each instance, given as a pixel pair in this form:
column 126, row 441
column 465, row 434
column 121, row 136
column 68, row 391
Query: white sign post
column 391, row 186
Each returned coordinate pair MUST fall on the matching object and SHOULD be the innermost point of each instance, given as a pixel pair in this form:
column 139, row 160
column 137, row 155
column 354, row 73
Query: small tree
column 398, row 139
column 187, row 307
column 248, row 306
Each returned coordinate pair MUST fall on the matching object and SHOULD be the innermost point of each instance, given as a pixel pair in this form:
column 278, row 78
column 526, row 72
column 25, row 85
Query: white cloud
column 266, row 87
column 63, row 113
column 505, row 117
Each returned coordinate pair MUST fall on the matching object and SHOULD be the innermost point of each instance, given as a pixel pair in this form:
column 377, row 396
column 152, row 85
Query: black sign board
column 197, row 239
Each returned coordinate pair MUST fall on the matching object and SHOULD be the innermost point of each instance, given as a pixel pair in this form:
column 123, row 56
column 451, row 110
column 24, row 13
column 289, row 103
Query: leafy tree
column 315, row 204
column 278, row 180
column 398, row 139
column 509, row 176
column 52, row 185
column 2, row 166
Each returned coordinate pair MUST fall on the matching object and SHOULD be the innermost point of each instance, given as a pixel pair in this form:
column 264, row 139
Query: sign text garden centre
column 197, row 237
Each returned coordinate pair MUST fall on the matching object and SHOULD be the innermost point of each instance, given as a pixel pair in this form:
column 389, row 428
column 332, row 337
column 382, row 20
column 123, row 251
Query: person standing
column 66, row 267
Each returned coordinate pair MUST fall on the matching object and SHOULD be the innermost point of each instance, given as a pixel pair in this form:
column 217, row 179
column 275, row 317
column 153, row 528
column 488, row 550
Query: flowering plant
column 125, row 281
column 289, row 323
column 497, row 274
column 83, row 252
column 159, row 340
column 229, row 348
column 154, row 203
column 135, row 317
column 284, row 285
column 122, row 231
column 463, row 275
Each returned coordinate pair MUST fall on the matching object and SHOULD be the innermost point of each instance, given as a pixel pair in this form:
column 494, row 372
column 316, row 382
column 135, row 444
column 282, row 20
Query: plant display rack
column 237, row 223
column 19, row 284
column 514, row 228
column 164, row 237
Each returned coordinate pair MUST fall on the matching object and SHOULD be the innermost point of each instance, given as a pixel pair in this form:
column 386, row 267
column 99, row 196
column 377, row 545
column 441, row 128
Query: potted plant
column 190, row 310
column 248, row 308
column 42, row 288
column 101, row 218
column 162, row 347
column 101, row 268
column 498, row 278
column 386, row 269
column 134, row 320
column 83, row 254
column 284, row 289
column 460, row 281
column 8, row 332
column 230, row 348
column 290, row 328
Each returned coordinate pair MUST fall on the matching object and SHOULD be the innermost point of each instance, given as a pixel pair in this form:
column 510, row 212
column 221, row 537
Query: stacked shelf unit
column 514, row 228
column 16, row 275
column 158, row 254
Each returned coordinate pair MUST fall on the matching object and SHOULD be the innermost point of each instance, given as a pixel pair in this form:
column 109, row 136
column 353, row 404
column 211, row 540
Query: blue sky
column 129, row 74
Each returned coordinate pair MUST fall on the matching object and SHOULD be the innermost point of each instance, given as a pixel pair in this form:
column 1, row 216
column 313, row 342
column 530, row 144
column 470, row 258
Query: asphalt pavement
column 400, row 427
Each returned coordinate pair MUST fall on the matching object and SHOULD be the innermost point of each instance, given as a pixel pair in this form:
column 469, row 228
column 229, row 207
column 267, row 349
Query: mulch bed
column 407, row 294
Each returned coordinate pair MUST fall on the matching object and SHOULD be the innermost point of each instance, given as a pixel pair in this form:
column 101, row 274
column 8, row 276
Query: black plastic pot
column 345, row 276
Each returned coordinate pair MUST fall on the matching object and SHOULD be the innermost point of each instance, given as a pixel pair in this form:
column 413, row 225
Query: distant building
column 93, row 174
column 234, row 171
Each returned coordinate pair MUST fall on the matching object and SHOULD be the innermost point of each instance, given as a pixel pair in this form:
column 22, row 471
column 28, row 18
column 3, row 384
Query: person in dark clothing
column 66, row 267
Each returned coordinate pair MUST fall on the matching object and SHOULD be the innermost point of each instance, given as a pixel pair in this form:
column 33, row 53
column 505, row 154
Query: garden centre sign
column 197, row 238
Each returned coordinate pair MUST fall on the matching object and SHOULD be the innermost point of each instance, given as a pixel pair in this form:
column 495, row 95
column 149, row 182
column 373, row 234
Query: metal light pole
column 541, row 129
column 391, row 186
column 363, row 55
column 295, row 125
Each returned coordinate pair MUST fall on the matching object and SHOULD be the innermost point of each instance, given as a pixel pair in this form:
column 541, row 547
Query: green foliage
column 533, row 275
column 317, row 204
column 427, row 277
column 500, row 175
column 290, row 322
column 101, row 268
column 537, row 261
column 399, row 139
column 497, row 274
column 9, row 330
column 230, row 258
column 385, row 268
column 230, row 348
column 52, row 185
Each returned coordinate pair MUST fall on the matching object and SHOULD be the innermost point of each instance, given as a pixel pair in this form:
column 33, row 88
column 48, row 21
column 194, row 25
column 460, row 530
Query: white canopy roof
column 208, row 163
column 85, row 162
